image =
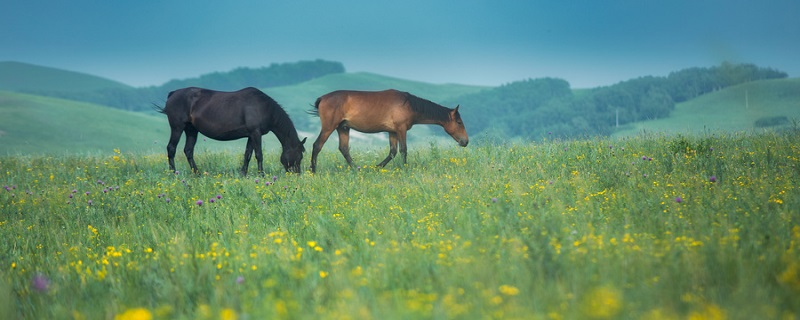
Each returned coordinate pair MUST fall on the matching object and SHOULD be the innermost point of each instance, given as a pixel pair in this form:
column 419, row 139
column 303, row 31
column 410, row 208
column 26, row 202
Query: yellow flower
column 602, row 303
column 227, row 314
column 509, row 290
column 135, row 314
column 323, row 274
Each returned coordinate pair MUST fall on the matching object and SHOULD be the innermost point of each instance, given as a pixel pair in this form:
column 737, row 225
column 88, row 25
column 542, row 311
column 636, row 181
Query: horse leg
column 259, row 156
column 188, row 149
column 392, row 149
column 323, row 136
column 401, row 136
column 172, row 146
column 248, row 153
column 344, row 144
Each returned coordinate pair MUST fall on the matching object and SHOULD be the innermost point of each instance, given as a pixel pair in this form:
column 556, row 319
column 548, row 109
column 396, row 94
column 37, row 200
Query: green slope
column 32, row 124
column 23, row 77
column 732, row 109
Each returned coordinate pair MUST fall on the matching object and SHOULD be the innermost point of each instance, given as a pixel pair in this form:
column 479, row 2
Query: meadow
column 702, row 226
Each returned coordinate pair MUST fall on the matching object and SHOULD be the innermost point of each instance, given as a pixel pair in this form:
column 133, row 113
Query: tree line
column 548, row 108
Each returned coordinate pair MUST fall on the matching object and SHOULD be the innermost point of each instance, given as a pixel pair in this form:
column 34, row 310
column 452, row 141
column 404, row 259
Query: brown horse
column 389, row 111
column 247, row 113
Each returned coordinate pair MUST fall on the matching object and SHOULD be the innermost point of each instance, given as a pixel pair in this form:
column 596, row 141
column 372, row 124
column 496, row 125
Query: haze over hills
column 31, row 123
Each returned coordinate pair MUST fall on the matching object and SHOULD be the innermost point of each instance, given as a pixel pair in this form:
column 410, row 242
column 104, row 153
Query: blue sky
column 587, row 42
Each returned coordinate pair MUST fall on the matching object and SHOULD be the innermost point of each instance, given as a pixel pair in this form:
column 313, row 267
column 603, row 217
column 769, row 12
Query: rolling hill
column 23, row 77
column 31, row 124
column 733, row 109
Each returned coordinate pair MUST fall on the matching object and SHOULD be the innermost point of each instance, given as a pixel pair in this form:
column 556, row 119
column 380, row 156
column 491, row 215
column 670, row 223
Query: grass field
column 649, row 227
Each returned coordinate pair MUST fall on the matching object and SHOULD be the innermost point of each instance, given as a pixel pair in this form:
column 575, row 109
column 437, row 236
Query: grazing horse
column 389, row 111
column 247, row 113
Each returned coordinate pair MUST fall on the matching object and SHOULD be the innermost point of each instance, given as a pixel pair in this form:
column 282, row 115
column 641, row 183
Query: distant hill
column 765, row 104
column 45, row 125
column 23, row 77
column 26, row 78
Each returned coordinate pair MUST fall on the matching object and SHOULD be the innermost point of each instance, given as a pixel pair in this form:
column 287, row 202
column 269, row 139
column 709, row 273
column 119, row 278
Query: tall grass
column 647, row 227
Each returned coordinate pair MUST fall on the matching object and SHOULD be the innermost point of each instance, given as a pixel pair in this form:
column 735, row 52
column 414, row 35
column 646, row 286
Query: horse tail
column 315, row 111
column 159, row 109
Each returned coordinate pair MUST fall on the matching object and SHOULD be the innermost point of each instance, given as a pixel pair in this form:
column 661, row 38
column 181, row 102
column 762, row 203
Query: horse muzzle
column 463, row 142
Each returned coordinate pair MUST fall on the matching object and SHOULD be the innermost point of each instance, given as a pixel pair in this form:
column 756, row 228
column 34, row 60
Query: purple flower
column 267, row 183
column 211, row 200
column 257, row 180
column 649, row 159
column 678, row 199
column 199, row 202
column 712, row 179
column 89, row 202
column 644, row 157
column 494, row 200
column 70, row 196
column 167, row 200
column 239, row 280
column 40, row 283
column 219, row 196
column 87, row 193
column 274, row 178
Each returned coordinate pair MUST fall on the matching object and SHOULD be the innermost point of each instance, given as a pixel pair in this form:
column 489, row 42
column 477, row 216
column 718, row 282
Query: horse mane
column 281, row 121
column 427, row 108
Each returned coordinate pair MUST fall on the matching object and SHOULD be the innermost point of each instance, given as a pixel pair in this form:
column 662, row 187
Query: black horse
column 247, row 113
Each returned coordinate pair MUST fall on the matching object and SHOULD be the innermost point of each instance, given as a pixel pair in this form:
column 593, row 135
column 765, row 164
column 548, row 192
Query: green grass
column 557, row 230
column 17, row 76
column 732, row 109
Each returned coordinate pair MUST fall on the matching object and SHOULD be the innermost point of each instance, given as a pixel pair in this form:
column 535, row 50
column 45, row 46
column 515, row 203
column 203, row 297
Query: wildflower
column 211, row 200
column 678, row 199
column 219, row 196
column 87, row 193
column 323, row 274
column 274, row 178
column 239, row 279
column 167, row 200
column 509, row 290
column 90, row 202
column 644, row 157
column 602, row 303
column 199, row 202
column 40, row 283
column 712, row 179
column 135, row 314
column 227, row 314
column 494, row 200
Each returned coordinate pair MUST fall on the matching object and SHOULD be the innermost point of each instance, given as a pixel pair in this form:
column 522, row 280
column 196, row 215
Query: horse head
column 293, row 156
column 455, row 128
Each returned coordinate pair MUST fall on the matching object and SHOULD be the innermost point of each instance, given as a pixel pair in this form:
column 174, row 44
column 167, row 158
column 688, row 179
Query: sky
column 586, row 42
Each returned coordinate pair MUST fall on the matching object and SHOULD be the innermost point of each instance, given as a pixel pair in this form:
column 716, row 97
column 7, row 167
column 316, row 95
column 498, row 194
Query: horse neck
column 427, row 112
column 435, row 115
column 285, row 132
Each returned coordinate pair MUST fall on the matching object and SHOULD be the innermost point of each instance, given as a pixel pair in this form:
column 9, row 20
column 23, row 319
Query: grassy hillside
column 641, row 228
column 35, row 124
column 23, row 77
column 733, row 109
column 40, row 125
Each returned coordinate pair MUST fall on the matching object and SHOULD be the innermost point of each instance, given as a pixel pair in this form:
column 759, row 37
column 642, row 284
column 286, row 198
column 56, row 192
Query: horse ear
column 456, row 109
column 304, row 141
